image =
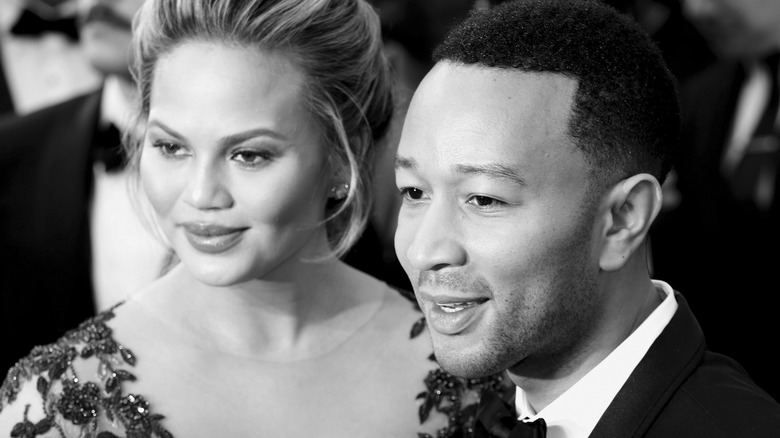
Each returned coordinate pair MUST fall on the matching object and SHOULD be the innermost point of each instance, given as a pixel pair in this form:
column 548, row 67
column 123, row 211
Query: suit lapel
column 669, row 361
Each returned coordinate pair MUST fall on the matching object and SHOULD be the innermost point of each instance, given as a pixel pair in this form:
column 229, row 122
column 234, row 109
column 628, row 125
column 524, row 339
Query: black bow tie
column 31, row 24
column 496, row 418
column 107, row 148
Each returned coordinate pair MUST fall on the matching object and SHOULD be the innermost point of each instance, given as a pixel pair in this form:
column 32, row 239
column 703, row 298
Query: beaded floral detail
column 455, row 397
column 92, row 407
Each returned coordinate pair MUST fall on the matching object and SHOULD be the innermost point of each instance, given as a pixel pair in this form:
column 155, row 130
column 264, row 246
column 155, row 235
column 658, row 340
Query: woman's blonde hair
column 337, row 45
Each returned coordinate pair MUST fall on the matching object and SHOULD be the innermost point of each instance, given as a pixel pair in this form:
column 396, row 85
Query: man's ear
column 632, row 206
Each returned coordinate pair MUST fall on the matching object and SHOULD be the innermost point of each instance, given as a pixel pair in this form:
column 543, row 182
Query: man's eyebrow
column 405, row 163
column 492, row 170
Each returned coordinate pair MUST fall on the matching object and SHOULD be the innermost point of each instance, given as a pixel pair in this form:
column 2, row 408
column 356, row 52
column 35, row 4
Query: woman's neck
column 306, row 316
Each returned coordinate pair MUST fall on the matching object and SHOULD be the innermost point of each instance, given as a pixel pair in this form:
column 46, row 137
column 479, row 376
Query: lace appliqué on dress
column 99, row 408
column 455, row 397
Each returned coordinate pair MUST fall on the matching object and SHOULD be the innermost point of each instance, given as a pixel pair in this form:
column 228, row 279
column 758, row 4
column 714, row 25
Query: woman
column 256, row 135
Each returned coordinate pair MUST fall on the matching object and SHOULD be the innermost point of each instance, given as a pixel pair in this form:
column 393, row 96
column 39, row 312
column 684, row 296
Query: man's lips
column 453, row 303
column 450, row 314
column 457, row 307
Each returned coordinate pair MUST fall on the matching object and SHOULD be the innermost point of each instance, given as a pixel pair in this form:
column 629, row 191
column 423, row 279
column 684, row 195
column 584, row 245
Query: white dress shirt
column 42, row 70
column 575, row 413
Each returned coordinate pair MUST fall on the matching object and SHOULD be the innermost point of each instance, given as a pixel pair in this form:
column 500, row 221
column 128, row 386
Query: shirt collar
column 116, row 102
column 575, row 413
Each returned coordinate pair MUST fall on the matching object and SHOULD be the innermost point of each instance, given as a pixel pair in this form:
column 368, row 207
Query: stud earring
column 339, row 191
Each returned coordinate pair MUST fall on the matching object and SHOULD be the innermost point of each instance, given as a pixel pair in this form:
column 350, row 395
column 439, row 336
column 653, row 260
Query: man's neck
column 622, row 317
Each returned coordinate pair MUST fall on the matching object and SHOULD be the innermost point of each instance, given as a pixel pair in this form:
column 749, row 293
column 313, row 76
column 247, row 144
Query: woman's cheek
column 160, row 186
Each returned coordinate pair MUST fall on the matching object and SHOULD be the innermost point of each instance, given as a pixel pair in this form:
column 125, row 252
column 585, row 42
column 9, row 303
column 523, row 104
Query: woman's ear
column 633, row 205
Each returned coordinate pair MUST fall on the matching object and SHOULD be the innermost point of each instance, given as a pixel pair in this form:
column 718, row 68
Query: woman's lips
column 212, row 238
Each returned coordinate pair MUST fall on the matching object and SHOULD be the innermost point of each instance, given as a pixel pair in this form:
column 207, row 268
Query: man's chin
column 467, row 366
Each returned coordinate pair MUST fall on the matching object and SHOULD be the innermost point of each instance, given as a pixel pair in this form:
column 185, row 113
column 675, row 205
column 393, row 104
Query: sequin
column 447, row 394
column 79, row 401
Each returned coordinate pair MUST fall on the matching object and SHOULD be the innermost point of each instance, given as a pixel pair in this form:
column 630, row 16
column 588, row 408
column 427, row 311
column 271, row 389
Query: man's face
column 737, row 28
column 493, row 231
column 106, row 34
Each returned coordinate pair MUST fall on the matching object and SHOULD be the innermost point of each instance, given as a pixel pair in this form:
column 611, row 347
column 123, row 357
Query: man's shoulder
column 721, row 399
column 27, row 135
column 45, row 116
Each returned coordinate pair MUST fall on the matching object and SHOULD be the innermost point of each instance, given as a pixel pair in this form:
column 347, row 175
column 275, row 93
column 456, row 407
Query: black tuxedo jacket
column 682, row 389
column 45, row 188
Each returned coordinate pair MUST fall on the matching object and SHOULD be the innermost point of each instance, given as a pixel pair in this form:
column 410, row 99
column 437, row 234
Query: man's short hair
column 625, row 115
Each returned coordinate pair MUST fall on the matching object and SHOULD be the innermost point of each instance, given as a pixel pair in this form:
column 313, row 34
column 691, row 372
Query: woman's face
column 233, row 164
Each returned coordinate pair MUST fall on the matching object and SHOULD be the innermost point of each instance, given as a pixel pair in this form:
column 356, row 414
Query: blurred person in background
column 721, row 244
column 71, row 240
column 41, row 61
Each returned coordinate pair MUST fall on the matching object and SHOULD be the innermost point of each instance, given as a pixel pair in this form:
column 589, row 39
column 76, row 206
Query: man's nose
column 436, row 242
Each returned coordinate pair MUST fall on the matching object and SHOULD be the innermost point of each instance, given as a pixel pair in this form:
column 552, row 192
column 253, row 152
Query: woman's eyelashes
column 252, row 157
column 245, row 157
column 169, row 149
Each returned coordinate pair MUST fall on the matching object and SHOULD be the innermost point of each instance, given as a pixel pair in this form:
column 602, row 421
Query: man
column 531, row 164
column 721, row 243
column 72, row 242
column 41, row 62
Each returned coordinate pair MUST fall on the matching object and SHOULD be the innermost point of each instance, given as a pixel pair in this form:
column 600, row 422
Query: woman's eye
column 168, row 149
column 251, row 157
column 411, row 193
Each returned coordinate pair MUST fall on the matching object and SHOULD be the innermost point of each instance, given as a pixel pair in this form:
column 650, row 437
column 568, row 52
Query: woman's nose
column 207, row 188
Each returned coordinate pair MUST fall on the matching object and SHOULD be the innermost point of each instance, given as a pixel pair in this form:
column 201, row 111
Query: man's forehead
column 487, row 98
column 470, row 120
column 471, row 103
column 510, row 81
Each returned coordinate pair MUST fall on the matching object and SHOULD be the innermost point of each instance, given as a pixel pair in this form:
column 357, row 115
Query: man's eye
column 485, row 201
column 412, row 193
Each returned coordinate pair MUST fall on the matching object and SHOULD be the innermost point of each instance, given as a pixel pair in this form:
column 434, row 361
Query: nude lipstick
column 212, row 238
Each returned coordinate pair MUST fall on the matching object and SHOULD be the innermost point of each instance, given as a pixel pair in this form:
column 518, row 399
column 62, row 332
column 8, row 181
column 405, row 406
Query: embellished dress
column 98, row 403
